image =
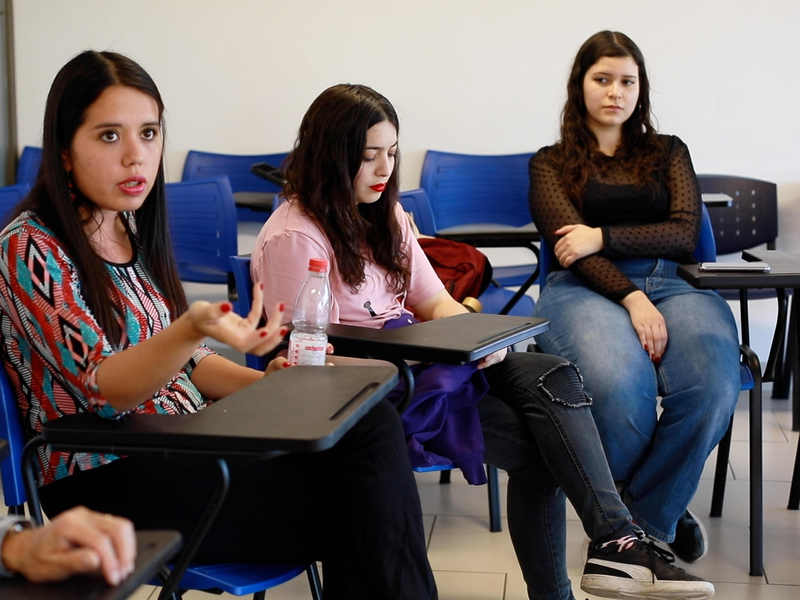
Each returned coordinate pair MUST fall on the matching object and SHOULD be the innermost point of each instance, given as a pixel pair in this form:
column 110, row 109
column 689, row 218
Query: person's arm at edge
column 75, row 542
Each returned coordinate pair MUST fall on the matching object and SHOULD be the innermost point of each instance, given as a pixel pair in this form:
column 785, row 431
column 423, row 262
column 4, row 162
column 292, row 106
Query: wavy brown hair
column 76, row 87
column 320, row 172
column 639, row 149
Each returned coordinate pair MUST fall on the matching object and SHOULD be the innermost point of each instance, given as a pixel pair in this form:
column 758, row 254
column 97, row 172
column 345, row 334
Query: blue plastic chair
column 474, row 189
column 28, row 165
column 254, row 195
column 240, row 293
column 751, row 379
column 202, row 225
column 469, row 188
column 10, row 196
column 238, row 579
column 495, row 298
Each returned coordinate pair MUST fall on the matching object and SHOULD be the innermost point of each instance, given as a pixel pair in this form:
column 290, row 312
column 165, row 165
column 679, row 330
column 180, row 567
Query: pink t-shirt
column 290, row 238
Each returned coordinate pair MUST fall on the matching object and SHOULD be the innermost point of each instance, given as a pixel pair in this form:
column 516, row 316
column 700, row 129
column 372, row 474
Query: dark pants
column 538, row 426
column 354, row 507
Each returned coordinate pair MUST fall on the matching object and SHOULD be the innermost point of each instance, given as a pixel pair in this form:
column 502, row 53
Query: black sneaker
column 639, row 570
column 691, row 540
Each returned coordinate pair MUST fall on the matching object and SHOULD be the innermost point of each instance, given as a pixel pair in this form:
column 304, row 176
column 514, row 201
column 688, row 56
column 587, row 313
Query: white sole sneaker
column 607, row 586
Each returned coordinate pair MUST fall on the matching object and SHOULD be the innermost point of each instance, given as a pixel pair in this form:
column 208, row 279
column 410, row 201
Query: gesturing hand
column 577, row 241
column 219, row 321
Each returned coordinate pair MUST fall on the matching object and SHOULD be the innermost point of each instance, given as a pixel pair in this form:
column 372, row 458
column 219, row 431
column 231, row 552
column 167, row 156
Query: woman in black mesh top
column 620, row 207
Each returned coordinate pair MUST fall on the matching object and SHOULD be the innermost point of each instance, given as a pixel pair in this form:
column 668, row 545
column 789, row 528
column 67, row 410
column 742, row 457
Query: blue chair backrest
column 201, row 165
column 466, row 188
column 28, row 166
column 10, row 196
column 243, row 284
column 202, row 225
column 11, row 430
column 416, row 202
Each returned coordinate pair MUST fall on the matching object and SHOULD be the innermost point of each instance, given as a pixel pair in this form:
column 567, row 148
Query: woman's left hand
column 577, row 241
column 492, row 359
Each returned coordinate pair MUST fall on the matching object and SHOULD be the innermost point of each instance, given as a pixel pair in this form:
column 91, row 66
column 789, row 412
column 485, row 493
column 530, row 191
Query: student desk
column 302, row 409
column 785, row 273
column 455, row 340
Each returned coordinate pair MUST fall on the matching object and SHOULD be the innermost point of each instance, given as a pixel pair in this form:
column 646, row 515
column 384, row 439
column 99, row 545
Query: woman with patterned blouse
column 93, row 318
column 620, row 207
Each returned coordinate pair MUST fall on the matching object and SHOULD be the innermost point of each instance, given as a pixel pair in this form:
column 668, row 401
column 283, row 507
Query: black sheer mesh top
column 637, row 221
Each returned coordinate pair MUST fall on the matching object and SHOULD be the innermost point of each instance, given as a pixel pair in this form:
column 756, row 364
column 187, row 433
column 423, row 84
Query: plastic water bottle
column 308, row 341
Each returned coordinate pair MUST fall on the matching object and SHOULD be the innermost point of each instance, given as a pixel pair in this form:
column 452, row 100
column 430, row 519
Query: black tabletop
column 491, row 235
column 784, row 273
column 454, row 340
column 154, row 548
column 301, row 409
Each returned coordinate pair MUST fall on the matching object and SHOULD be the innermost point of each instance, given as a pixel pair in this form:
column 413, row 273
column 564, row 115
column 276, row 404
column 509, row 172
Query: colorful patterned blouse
column 52, row 346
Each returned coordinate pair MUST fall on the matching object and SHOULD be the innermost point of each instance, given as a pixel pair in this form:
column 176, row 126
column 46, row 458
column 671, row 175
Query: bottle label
column 308, row 348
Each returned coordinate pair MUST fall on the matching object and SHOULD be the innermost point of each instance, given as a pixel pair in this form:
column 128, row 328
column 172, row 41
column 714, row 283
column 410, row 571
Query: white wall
column 464, row 75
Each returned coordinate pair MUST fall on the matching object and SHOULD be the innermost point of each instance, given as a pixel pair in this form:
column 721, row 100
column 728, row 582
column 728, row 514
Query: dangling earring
column 71, row 186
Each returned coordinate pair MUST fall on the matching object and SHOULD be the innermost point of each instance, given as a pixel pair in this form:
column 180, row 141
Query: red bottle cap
column 320, row 265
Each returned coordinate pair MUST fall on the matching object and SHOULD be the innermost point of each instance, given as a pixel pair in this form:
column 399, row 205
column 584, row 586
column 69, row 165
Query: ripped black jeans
column 538, row 427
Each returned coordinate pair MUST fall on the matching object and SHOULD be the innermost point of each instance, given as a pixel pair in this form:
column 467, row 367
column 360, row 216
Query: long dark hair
column 320, row 172
column 639, row 147
column 76, row 86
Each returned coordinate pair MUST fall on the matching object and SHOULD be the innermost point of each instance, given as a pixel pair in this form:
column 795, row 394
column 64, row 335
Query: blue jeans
column 538, row 427
column 657, row 458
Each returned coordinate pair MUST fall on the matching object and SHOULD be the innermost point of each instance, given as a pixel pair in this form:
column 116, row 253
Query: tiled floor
column 470, row 563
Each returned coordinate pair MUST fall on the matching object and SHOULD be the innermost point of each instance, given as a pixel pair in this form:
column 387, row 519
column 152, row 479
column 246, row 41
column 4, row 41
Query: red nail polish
column 645, row 347
column 287, row 364
column 225, row 307
column 658, row 360
column 261, row 286
column 284, row 331
column 281, row 307
column 263, row 334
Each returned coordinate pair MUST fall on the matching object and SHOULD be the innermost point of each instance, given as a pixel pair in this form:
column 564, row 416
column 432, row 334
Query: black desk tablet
column 454, row 340
column 301, row 409
column 154, row 549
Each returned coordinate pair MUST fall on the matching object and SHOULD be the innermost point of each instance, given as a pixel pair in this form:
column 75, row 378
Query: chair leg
column 495, row 524
column 444, row 476
column 721, row 472
column 756, row 467
column 794, row 491
column 314, row 581
column 776, row 363
column 262, row 595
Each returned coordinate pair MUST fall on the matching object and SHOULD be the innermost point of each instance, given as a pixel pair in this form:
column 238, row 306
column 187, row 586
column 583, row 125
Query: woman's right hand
column 219, row 321
column 648, row 323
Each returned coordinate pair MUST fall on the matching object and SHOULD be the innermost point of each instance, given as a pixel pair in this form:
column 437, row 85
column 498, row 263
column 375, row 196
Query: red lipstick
column 378, row 187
